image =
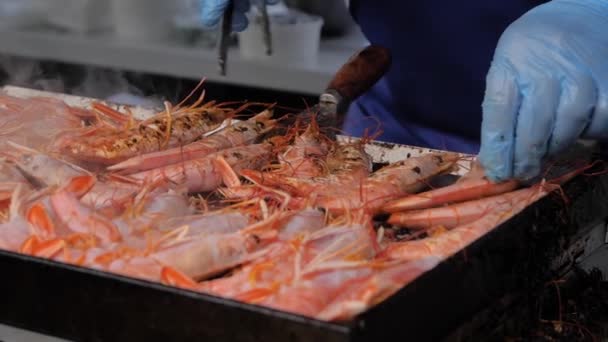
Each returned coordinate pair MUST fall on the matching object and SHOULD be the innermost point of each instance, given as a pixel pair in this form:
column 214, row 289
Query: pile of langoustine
column 287, row 221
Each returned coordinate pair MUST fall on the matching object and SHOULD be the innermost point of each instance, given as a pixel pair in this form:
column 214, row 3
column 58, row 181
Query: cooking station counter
column 180, row 60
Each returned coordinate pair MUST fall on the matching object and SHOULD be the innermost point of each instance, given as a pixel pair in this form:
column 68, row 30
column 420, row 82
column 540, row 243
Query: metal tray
column 517, row 257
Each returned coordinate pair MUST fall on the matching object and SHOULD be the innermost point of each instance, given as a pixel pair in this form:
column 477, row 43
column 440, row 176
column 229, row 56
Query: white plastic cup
column 292, row 42
column 143, row 20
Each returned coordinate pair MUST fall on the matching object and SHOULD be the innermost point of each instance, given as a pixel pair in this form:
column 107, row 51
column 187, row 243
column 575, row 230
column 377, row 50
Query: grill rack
column 516, row 257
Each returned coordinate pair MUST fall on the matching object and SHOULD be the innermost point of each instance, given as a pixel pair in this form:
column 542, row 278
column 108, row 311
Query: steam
column 25, row 73
column 93, row 82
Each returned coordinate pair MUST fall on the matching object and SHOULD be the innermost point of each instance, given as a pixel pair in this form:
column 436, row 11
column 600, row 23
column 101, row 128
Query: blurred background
column 153, row 50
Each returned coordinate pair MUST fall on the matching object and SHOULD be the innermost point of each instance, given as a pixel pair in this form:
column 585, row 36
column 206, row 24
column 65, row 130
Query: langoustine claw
column 471, row 186
column 450, row 242
column 456, row 214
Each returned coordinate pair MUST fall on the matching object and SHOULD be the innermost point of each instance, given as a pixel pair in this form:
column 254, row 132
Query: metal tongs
column 226, row 29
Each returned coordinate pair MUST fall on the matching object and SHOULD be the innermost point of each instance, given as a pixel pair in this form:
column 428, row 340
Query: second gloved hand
column 547, row 87
column 213, row 10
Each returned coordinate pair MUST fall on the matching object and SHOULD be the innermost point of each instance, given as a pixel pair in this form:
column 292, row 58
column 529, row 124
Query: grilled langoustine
column 237, row 134
column 166, row 130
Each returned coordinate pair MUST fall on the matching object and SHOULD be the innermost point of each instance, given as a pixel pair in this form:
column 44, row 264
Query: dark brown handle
column 361, row 72
column 224, row 38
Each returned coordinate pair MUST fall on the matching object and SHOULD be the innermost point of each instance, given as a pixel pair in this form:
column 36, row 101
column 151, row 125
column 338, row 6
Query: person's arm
column 547, row 87
column 213, row 10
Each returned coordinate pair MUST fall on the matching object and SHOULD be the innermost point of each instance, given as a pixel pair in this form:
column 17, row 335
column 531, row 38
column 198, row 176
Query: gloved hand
column 213, row 10
column 547, row 87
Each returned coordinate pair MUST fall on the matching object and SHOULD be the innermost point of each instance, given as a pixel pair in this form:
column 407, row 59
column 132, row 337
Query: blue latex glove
column 213, row 10
column 547, row 86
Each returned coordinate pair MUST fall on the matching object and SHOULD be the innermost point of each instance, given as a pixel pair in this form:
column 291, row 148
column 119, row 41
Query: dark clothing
column 441, row 52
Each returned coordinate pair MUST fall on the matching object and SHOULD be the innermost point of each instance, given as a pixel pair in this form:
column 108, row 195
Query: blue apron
column 442, row 50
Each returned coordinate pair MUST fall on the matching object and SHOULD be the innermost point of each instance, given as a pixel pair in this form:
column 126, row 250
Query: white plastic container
column 143, row 20
column 295, row 39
